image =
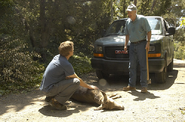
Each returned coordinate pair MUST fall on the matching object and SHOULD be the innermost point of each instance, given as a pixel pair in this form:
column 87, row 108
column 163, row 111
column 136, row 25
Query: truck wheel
column 162, row 76
column 101, row 74
column 170, row 66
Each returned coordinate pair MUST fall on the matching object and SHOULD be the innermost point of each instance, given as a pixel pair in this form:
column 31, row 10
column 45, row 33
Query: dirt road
column 161, row 104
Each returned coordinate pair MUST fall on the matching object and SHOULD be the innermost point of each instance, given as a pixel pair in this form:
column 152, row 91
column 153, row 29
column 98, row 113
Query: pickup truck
column 109, row 57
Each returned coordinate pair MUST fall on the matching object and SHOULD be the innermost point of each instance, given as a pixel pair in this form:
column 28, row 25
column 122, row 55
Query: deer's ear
column 105, row 96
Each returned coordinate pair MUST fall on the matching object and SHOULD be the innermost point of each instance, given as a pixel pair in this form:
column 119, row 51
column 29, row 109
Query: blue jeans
column 137, row 55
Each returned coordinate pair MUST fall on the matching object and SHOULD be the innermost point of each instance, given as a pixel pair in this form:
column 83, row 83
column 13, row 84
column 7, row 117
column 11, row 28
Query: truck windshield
column 116, row 28
column 156, row 25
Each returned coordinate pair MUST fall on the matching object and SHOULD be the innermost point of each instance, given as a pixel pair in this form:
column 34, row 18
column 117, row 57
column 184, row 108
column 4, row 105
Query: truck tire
column 170, row 66
column 162, row 76
column 101, row 74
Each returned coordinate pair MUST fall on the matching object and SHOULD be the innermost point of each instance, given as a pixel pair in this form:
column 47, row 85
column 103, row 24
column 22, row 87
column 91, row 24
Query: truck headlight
column 152, row 48
column 99, row 49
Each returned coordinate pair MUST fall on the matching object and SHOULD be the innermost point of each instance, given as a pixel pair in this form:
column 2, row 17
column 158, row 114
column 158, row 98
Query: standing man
column 137, row 29
column 59, row 80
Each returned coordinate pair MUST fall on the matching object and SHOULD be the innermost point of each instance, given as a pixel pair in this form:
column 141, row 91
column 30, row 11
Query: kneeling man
column 59, row 80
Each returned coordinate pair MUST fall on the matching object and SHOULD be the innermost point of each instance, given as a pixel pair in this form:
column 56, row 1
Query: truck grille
column 110, row 52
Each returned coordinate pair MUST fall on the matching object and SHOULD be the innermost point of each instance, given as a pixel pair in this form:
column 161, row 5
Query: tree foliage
column 50, row 22
column 179, row 39
column 18, row 71
column 6, row 10
column 175, row 11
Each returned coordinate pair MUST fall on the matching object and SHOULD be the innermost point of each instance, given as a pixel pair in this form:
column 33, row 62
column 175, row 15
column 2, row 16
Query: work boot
column 47, row 99
column 129, row 88
column 144, row 90
column 56, row 105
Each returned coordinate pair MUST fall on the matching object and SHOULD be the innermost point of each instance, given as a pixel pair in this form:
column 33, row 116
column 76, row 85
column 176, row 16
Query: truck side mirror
column 171, row 31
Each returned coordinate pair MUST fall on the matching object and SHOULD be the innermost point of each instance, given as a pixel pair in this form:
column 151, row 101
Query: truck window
column 116, row 28
column 156, row 25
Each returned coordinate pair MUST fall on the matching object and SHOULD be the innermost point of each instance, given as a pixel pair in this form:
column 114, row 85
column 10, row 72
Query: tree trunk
column 153, row 5
column 44, row 30
column 135, row 2
column 124, row 14
column 111, row 11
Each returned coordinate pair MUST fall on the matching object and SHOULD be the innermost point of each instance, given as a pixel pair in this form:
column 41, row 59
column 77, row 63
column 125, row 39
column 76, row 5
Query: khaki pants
column 63, row 90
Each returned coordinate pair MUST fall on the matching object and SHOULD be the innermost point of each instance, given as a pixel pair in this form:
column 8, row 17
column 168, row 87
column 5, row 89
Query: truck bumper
column 119, row 67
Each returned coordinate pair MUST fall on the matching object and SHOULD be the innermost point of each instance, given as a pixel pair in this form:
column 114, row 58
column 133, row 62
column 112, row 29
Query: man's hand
column 125, row 46
column 147, row 46
column 125, row 50
column 93, row 87
column 82, row 83
column 148, row 41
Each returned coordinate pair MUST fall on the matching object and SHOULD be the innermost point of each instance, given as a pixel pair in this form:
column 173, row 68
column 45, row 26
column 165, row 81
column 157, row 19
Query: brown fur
column 97, row 96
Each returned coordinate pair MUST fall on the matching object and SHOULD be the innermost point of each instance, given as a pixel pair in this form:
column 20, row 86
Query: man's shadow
column 72, row 108
column 49, row 111
column 142, row 96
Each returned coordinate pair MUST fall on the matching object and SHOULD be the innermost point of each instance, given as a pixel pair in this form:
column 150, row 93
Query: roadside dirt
column 161, row 104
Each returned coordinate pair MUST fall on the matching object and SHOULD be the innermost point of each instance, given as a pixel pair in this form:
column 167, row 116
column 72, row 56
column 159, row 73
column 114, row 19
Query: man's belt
column 138, row 41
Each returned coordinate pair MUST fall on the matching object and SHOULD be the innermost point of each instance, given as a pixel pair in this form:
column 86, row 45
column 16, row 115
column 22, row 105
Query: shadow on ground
column 114, row 81
column 17, row 102
column 143, row 96
column 49, row 111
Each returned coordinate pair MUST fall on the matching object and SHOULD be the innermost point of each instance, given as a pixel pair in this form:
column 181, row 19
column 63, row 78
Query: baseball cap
column 131, row 7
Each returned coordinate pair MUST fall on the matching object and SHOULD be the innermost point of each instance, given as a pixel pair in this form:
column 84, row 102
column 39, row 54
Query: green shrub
column 18, row 70
column 179, row 44
column 179, row 50
column 81, row 63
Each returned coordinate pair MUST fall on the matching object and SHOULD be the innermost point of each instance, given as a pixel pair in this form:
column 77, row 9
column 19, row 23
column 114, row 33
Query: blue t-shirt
column 138, row 29
column 57, row 70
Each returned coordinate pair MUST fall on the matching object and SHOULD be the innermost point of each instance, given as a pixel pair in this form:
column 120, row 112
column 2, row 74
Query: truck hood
column 156, row 37
column 111, row 40
column 120, row 40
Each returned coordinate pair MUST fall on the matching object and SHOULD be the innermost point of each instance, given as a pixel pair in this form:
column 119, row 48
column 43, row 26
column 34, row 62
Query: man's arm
column 82, row 83
column 126, row 42
column 148, row 41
